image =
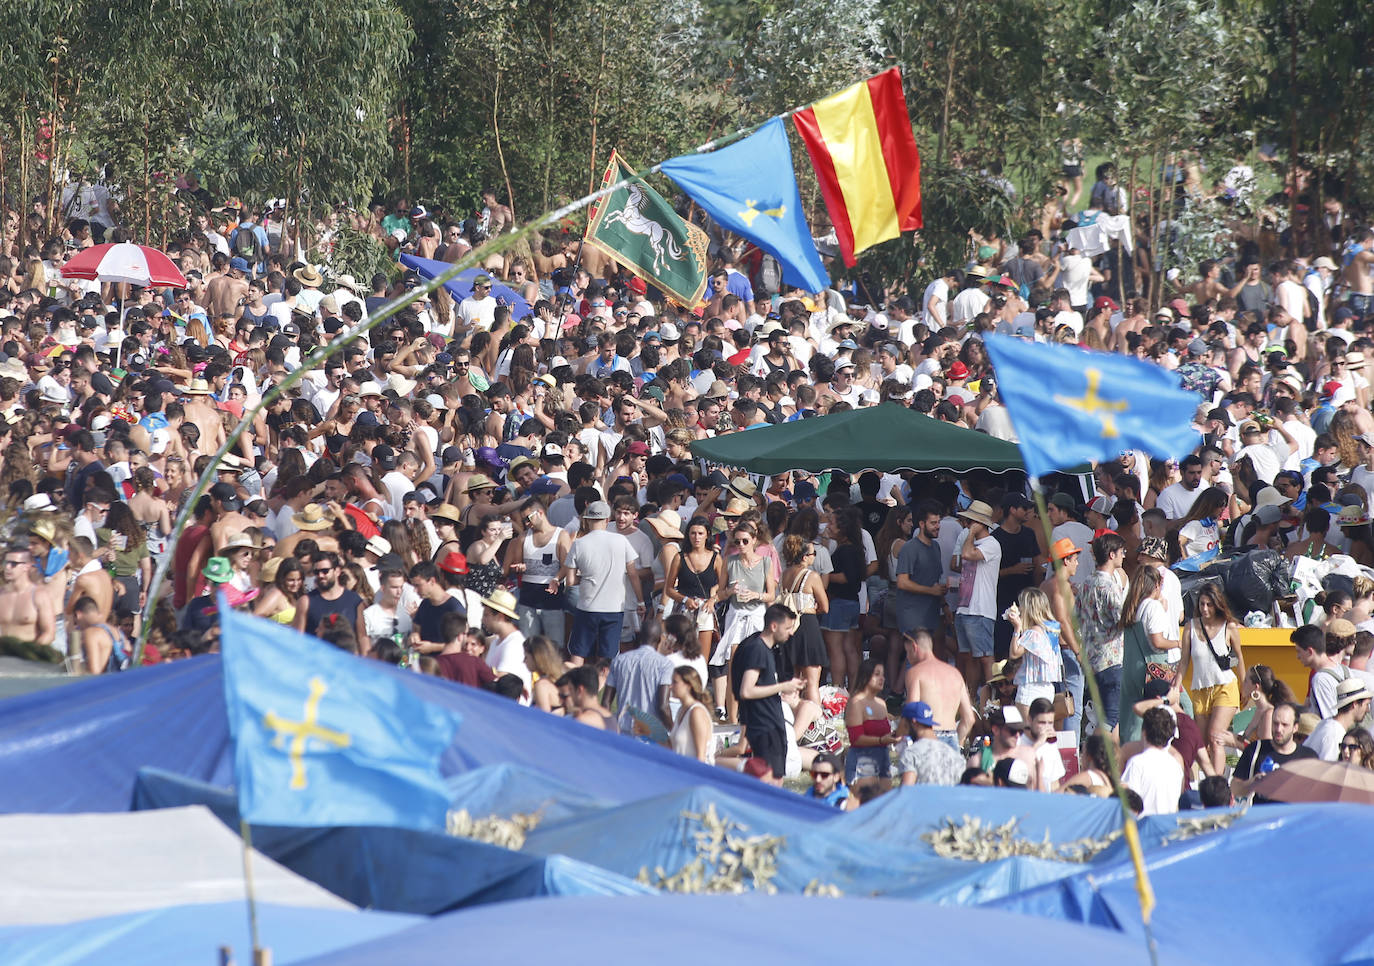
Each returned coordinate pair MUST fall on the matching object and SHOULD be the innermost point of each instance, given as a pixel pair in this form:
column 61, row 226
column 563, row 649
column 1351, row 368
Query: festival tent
column 194, row 933
column 61, row 868
column 79, row 748
column 396, row 869
column 885, row 438
column 763, row 930
column 1284, row 884
column 460, row 286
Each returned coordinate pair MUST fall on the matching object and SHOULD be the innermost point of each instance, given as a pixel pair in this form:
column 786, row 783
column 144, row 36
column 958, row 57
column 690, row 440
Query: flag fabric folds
column 866, row 161
column 639, row 229
column 322, row 737
column 1069, row 405
column 749, row 188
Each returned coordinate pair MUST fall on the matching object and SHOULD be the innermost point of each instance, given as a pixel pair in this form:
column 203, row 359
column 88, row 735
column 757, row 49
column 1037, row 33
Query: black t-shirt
column 346, row 606
column 101, row 385
column 874, row 514
column 847, row 559
column 1016, row 547
column 1256, row 751
column 429, row 616
column 757, row 714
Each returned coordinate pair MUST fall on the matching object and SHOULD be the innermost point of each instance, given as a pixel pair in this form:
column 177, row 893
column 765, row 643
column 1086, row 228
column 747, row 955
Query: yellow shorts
column 1205, row 700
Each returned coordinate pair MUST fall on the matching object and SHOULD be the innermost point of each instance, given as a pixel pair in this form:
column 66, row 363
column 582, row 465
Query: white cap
column 557, row 361
column 39, row 501
column 436, row 400
column 669, row 332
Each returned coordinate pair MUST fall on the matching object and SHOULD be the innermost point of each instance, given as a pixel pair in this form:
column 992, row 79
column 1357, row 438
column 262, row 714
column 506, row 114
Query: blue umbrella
column 460, row 286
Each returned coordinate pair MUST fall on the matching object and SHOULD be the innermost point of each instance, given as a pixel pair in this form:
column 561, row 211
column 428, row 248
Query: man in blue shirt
column 827, row 781
column 736, row 282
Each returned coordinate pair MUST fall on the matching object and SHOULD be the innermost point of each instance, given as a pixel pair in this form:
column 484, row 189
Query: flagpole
column 347, row 336
column 261, row 957
column 1144, row 890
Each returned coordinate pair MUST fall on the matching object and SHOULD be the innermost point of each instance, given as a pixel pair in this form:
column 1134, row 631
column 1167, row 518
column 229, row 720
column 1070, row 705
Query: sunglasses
column 1344, row 747
column 320, row 573
column 821, row 774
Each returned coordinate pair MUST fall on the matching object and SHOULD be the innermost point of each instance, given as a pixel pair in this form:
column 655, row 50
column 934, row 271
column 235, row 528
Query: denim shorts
column 842, row 616
column 974, row 634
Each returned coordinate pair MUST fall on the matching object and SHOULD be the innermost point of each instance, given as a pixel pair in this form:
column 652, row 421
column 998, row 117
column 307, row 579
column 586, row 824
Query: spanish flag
column 865, row 157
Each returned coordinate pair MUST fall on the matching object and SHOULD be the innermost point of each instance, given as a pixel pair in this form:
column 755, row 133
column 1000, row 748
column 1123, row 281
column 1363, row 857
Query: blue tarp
column 79, row 748
column 1286, row 884
column 395, row 869
column 193, row 934
column 756, row 929
column 460, row 286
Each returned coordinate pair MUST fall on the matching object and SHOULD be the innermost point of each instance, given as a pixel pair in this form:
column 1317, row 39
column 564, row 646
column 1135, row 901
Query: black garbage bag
column 1256, row 579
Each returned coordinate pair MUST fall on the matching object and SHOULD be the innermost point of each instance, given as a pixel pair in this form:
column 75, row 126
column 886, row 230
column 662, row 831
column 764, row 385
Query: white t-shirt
column 1074, row 273
column 507, row 656
column 983, row 602
column 644, row 558
column 1156, row 776
column 1197, row 538
column 1176, row 500
column 1047, row 756
column 966, row 305
column 1325, row 739
column 478, row 312
column 938, row 290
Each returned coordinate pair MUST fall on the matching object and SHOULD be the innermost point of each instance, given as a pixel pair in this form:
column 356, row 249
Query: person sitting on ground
column 827, row 781
column 578, row 690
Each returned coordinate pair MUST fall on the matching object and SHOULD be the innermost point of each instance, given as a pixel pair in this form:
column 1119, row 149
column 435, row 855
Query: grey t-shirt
column 600, row 558
column 924, row 564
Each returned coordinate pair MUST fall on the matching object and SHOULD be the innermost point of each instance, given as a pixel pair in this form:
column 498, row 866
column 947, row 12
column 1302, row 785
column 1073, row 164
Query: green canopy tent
column 884, row 438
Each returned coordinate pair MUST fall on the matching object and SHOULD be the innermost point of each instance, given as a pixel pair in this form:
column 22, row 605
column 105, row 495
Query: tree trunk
column 293, row 201
column 949, row 96
column 52, row 153
column 1293, row 129
column 1156, row 236
column 596, row 107
column 147, row 189
column 24, row 149
column 501, row 154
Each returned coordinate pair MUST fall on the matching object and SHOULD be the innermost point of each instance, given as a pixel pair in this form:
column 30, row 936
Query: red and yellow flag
column 866, row 160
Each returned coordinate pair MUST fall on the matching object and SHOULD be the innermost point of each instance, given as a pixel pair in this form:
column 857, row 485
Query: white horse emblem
column 632, row 217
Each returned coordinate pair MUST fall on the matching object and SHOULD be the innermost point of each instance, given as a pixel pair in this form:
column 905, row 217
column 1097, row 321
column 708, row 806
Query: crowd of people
column 512, row 503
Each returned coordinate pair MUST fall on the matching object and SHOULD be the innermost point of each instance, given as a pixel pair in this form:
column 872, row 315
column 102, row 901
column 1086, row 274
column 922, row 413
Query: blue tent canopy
column 395, row 869
column 460, row 286
column 193, row 934
column 679, row 930
column 79, row 748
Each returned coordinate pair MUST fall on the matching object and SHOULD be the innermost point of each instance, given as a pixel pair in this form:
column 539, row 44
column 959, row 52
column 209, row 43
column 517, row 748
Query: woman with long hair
column 870, row 731
column 695, row 580
column 1357, row 748
column 150, row 510
column 128, row 551
column 840, row 626
column 484, row 557
column 1212, row 647
column 1145, row 649
column 1036, row 643
column 1199, row 530
column 1093, row 774
column 283, row 581
column 804, row 591
column 692, row 733
column 545, row 664
column 750, row 588
column 1163, row 474
column 395, row 533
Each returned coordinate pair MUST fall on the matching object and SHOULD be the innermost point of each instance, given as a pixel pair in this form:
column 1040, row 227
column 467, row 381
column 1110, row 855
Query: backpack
column 247, row 245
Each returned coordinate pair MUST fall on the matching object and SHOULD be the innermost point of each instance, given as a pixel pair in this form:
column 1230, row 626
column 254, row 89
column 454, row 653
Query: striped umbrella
column 135, row 264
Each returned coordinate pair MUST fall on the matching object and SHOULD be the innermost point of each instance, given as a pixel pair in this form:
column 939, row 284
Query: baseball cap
column 805, row 490
column 1155, row 689
column 1064, row 501
column 1016, row 501
column 384, row 456
column 1011, row 771
column 918, row 712
column 1008, row 716
column 1197, row 347
column 597, row 510
column 1102, row 504
column 1105, row 300
column 238, row 264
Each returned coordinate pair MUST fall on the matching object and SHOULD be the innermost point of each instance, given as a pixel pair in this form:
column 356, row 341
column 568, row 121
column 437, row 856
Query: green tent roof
column 885, row 438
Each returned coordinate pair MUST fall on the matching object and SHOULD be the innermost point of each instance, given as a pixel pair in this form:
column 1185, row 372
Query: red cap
column 1104, row 530
column 638, row 447
column 571, row 321
column 1329, row 389
column 958, row 371
column 637, row 285
column 1105, row 300
column 454, row 563
column 1181, row 307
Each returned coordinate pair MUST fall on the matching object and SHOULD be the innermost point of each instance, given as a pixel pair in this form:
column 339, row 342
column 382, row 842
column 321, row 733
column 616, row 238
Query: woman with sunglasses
column 749, row 588
column 804, row 591
column 1357, row 748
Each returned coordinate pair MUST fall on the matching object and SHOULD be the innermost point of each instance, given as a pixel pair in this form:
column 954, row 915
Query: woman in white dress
column 692, row 729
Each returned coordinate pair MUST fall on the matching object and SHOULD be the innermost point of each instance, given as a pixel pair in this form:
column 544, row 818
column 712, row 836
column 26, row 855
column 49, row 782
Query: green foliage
column 361, row 255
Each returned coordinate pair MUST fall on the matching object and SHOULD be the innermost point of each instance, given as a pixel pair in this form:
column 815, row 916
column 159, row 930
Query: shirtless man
column 98, row 638
column 204, row 416
column 226, row 286
column 578, row 691
column 228, row 520
column 1358, row 274
column 939, row 685
column 25, row 612
column 92, row 581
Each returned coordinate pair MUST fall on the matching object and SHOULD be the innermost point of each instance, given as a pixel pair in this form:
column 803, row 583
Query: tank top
column 541, row 563
column 683, row 742
column 1207, row 673
column 691, row 583
column 753, row 578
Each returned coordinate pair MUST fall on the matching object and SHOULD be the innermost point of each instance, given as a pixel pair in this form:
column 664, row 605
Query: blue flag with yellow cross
column 1070, row 405
column 322, row 737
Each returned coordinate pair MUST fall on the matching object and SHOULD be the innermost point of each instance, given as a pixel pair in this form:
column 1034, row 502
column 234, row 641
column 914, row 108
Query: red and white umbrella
column 135, row 264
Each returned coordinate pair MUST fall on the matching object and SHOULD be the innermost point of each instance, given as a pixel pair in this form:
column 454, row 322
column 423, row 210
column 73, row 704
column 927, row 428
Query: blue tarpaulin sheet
column 395, row 869
column 460, row 286
column 762, row 930
column 79, row 748
column 193, row 934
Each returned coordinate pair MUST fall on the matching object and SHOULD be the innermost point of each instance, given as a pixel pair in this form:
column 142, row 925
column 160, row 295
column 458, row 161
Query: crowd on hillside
column 512, row 502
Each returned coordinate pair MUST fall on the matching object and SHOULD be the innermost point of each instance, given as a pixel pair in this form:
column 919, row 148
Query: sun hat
column 1349, row 691
column 237, row 541
column 979, row 512
column 454, row 563
column 447, row 512
column 268, row 573
column 503, row 602
column 217, row 570
column 479, row 482
column 667, row 524
column 44, row 530
column 1155, row 548
column 379, row 545
column 1063, row 548
column 1352, row 516
column 311, row 518
column 309, row 276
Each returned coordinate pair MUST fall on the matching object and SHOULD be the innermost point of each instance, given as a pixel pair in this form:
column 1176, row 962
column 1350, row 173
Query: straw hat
column 478, row 482
column 1352, row 516
column 198, row 387
column 668, row 524
column 44, row 530
column 309, row 276
column 311, row 518
column 448, row 512
column 979, row 512
column 738, row 506
column 238, row 541
column 268, row 573
column 503, row 602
